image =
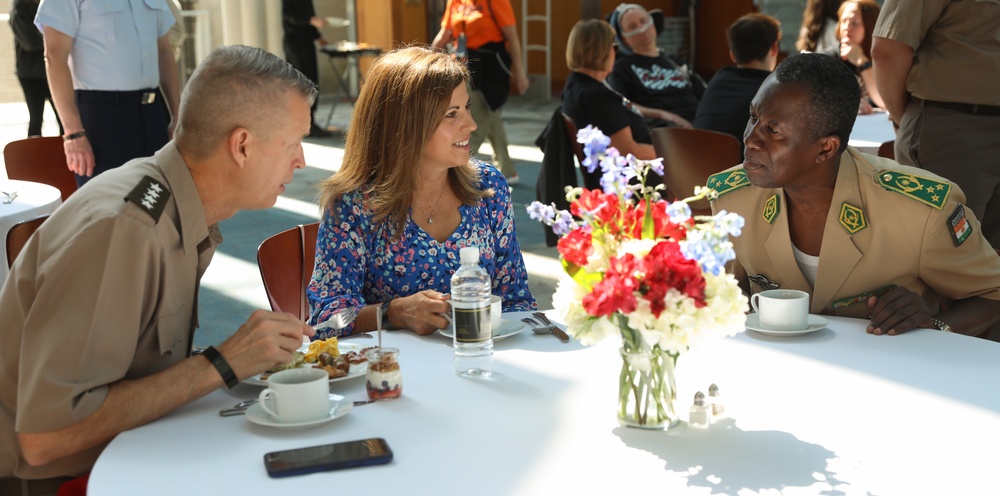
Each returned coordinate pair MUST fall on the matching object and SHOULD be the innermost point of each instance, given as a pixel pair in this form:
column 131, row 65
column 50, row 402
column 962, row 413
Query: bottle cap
column 469, row 255
column 699, row 399
column 713, row 390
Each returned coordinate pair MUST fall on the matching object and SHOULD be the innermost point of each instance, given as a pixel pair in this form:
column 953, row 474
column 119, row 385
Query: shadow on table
column 726, row 459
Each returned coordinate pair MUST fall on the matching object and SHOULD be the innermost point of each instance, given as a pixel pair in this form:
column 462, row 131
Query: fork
column 10, row 197
column 339, row 320
column 538, row 328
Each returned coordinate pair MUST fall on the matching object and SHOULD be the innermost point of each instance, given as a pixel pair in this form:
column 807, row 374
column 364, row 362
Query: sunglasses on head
column 648, row 23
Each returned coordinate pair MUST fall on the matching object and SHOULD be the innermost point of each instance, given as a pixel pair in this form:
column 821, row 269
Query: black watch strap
column 221, row 365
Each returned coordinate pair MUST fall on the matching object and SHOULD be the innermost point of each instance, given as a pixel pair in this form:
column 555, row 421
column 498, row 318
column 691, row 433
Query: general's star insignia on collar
column 727, row 181
column 151, row 196
column 771, row 208
column 852, row 218
column 927, row 191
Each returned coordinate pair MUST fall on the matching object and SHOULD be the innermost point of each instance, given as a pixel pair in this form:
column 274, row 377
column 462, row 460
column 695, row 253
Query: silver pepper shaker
column 698, row 417
column 715, row 399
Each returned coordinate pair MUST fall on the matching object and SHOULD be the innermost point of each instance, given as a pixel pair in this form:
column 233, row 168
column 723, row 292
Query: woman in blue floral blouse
column 407, row 198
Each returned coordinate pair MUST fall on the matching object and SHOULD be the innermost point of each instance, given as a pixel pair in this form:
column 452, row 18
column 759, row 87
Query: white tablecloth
column 870, row 131
column 33, row 199
column 837, row 411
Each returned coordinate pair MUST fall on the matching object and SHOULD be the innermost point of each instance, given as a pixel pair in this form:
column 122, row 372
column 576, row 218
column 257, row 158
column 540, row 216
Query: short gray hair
column 235, row 86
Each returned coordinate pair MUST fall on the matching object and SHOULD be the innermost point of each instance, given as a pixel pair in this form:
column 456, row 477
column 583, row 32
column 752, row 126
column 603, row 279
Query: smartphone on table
column 335, row 456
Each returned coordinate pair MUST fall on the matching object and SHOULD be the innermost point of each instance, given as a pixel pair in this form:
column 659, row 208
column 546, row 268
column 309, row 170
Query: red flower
column 664, row 268
column 616, row 292
column 662, row 227
column 604, row 207
column 576, row 246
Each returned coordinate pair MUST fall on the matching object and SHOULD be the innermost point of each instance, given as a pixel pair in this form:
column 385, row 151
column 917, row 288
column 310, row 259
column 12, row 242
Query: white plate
column 357, row 369
column 339, row 406
column 508, row 328
column 815, row 323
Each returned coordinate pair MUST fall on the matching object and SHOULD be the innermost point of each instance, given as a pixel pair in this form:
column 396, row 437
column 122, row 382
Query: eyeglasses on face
column 648, row 23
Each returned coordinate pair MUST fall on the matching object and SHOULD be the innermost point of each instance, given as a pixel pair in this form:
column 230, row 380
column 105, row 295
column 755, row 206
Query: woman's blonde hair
column 404, row 98
column 588, row 45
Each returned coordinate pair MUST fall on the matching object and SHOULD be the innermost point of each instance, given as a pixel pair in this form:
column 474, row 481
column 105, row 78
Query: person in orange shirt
column 485, row 32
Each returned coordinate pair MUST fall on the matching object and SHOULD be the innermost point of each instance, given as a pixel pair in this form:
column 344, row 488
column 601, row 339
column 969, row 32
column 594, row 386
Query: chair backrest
column 571, row 130
column 42, row 160
column 886, row 150
column 286, row 264
column 690, row 156
column 18, row 236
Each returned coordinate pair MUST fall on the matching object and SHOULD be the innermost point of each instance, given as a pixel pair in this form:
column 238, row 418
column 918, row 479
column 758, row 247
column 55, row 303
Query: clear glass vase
column 647, row 390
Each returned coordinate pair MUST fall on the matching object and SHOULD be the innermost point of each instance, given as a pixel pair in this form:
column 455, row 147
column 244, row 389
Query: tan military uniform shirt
column 956, row 43
column 104, row 291
column 873, row 237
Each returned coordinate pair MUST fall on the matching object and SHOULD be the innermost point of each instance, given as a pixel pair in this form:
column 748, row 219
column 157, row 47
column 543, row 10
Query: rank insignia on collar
column 727, row 181
column 151, row 196
column 763, row 282
column 852, row 218
column 771, row 208
column 924, row 190
column 959, row 226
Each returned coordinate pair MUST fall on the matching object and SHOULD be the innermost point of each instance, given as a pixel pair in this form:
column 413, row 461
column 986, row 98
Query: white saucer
column 339, row 406
column 815, row 323
column 508, row 328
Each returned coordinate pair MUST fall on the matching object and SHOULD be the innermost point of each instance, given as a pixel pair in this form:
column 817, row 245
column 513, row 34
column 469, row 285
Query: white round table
column 32, row 200
column 870, row 131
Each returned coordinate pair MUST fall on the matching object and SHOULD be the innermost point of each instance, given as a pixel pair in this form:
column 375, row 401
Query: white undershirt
column 808, row 264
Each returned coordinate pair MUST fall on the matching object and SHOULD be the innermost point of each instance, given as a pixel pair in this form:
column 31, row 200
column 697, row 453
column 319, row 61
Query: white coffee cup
column 297, row 395
column 496, row 311
column 782, row 309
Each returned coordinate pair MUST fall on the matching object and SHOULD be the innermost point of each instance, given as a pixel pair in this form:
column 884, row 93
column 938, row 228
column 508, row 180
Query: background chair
column 42, row 160
column 886, row 150
column 689, row 157
column 590, row 181
column 18, row 236
column 286, row 264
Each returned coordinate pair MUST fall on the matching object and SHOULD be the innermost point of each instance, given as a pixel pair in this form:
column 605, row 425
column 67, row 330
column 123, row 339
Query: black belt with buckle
column 965, row 108
column 142, row 97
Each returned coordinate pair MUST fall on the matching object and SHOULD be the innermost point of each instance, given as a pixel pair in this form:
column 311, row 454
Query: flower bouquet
column 643, row 269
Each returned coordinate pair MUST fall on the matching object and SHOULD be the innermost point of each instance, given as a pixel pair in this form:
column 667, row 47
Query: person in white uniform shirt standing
column 108, row 65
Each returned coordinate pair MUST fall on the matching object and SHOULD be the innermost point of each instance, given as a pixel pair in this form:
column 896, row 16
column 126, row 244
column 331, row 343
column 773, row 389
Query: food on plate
column 298, row 358
column 383, row 379
column 323, row 346
column 334, row 365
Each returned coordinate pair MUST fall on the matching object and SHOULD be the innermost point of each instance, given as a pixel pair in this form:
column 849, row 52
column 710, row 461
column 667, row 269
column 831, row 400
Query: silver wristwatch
column 941, row 325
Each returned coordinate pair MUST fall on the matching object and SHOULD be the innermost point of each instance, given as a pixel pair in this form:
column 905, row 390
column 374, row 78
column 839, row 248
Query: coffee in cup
column 782, row 309
column 297, row 395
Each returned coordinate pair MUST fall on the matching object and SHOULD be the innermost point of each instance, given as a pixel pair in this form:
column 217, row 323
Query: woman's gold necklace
column 430, row 220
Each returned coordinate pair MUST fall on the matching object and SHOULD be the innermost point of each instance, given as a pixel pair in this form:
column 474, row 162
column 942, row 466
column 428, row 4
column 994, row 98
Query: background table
column 837, row 411
column 351, row 52
column 870, row 131
column 33, row 199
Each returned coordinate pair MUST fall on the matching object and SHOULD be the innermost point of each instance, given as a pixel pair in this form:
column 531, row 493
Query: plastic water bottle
column 470, row 316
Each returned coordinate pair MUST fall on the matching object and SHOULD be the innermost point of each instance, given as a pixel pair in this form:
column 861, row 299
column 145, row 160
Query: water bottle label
column 472, row 325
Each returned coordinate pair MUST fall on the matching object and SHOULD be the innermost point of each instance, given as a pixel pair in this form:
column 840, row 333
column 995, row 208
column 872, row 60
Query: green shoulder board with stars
column 727, row 181
column 922, row 189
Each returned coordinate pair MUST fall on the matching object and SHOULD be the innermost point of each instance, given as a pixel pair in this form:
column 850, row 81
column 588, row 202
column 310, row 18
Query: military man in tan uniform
column 937, row 67
column 866, row 237
column 98, row 313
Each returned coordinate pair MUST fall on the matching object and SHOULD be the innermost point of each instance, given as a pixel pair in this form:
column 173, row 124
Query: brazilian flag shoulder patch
column 725, row 182
column 927, row 191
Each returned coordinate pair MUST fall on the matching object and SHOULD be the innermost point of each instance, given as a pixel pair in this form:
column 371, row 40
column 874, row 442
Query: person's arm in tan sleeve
column 79, row 155
column 170, row 84
column 892, row 61
column 265, row 340
column 517, row 63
